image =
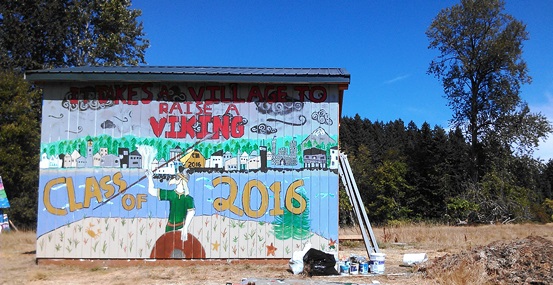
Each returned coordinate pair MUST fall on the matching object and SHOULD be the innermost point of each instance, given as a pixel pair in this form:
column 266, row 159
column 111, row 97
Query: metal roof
column 192, row 74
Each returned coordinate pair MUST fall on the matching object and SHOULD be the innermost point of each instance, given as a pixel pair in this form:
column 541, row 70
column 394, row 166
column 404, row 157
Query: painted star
column 215, row 245
column 271, row 249
column 332, row 244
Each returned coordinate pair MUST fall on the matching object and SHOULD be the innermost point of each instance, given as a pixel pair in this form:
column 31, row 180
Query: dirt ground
column 522, row 261
column 507, row 261
column 233, row 272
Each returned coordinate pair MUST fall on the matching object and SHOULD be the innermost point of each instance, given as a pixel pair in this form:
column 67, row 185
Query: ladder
column 359, row 208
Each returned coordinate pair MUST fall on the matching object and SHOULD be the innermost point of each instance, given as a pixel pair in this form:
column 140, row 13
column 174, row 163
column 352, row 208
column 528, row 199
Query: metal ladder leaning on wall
column 359, row 208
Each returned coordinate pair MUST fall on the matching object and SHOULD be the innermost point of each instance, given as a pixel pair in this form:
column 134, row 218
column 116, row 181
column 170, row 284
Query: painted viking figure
column 177, row 242
column 181, row 204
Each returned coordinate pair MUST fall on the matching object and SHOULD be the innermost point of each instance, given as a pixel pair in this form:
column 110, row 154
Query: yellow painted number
column 291, row 195
column 246, row 198
column 220, row 204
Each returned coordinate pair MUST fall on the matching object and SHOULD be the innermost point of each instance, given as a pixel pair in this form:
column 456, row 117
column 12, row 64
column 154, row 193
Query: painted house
column 111, row 161
column 135, row 159
column 244, row 161
column 231, row 164
column 123, row 157
column 175, row 152
column 226, row 156
column 215, row 160
column 154, row 164
column 81, row 162
column 314, row 158
column 55, row 162
column 334, row 154
column 193, row 160
column 166, row 167
column 97, row 160
column 103, row 151
column 254, row 161
column 44, row 161
column 68, row 161
column 249, row 145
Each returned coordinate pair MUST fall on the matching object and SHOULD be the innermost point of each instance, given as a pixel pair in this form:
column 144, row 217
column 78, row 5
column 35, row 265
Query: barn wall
column 262, row 170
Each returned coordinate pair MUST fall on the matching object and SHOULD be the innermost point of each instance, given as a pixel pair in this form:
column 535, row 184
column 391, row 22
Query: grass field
column 18, row 266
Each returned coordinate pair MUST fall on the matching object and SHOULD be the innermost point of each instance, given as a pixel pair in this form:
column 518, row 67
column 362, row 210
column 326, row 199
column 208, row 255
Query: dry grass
column 466, row 273
column 448, row 238
column 17, row 260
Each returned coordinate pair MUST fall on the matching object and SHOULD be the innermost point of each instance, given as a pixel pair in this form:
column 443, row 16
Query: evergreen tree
column 19, row 146
column 547, row 180
column 427, row 200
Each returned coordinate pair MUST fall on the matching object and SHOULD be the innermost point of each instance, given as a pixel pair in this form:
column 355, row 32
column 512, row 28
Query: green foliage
column 388, row 192
column 502, row 199
column 426, row 156
column 39, row 34
column 32, row 34
column 19, row 145
column 409, row 174
column 460, row 208
column 548, row 204
column 481, row 69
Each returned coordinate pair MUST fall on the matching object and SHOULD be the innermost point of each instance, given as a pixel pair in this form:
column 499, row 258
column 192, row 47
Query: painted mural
column 151, row 170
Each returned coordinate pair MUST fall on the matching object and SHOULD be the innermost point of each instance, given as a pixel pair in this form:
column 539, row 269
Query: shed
column 172, row 141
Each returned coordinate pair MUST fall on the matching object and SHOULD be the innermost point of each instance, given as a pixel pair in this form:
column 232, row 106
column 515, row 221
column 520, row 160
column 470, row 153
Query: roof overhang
column 192, row 74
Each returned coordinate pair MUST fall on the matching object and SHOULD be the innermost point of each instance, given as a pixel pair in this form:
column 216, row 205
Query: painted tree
column 290, row 225
column 482, row 70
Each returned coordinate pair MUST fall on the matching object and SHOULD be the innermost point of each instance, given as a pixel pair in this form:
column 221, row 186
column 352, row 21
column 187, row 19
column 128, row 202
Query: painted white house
column 215, row 160
column 231, row 164
column 333, row 158
column 97, row 160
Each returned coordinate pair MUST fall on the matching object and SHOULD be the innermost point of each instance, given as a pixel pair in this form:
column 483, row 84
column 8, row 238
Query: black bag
column 316, row 262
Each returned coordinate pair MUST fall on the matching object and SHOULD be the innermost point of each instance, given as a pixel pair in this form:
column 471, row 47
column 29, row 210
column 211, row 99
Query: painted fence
column 187, row 170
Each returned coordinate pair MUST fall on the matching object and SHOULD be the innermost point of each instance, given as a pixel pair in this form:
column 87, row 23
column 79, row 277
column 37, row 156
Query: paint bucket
column 376, row 262
column 354, row 269
column 410, row 259
column 344, row 268
column 363, row 267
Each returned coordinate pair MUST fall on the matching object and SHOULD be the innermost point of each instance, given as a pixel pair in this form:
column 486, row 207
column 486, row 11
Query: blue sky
column 381, row 43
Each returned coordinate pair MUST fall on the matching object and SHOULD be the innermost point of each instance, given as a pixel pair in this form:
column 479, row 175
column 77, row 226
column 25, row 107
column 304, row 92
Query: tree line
column 407, row 173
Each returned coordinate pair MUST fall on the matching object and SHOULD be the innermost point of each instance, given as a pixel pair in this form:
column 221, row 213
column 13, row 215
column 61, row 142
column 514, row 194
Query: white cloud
column 399, row 78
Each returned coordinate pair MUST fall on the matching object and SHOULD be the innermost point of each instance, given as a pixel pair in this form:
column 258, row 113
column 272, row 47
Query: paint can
column 363, row 267
column 344, row 268
column 410, row 259
column 354, row 269
column 377, row 261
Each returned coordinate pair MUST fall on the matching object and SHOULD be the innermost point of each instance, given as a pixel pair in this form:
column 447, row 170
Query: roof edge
column 192, row 74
